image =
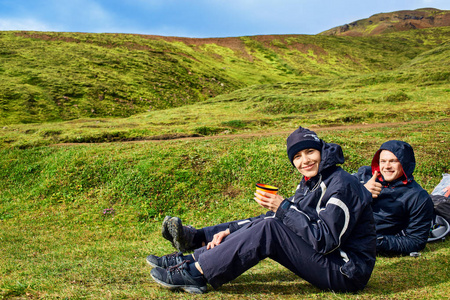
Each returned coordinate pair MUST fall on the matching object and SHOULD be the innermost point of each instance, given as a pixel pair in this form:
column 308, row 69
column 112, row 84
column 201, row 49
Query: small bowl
column 266, row 188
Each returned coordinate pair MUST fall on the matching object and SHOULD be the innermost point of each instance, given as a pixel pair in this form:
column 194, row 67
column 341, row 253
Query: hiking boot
column 178, row 277
column 165, row 261
column 180, row 236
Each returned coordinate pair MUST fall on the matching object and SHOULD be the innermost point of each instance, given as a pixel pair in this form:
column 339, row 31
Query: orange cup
column 266, row 188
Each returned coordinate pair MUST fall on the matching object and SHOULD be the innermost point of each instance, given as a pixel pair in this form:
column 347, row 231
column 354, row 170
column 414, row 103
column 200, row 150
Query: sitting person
column 324, row 233
column 402, row 209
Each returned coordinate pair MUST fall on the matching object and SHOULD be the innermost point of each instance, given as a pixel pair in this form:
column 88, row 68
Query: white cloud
column 23, row 24
column 56, row 15
column 80, row 11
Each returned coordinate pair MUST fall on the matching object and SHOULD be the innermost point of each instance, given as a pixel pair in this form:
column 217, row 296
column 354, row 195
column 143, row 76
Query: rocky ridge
column 392, row 22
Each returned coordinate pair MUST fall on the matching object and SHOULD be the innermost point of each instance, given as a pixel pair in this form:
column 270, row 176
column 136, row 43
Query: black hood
column 331, row 156
column 405, row 155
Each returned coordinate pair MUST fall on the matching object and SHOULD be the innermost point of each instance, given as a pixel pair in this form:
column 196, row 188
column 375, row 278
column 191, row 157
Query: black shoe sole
column 193, row 289
column 151, row 264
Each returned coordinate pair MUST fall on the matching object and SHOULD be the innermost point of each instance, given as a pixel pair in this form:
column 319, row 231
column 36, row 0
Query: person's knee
column 272, row 223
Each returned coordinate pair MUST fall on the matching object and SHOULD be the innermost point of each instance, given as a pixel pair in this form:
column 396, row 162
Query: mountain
column 393, row 22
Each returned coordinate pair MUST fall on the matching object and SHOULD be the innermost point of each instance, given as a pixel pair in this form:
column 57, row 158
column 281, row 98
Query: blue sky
column 196, row 18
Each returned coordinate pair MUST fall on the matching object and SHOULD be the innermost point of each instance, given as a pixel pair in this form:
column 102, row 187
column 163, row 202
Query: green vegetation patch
column 65, row 76
column 86, row 216
column 102, row 135
column 397, row 97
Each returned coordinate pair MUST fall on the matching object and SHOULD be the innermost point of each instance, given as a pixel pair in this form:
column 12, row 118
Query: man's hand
column 268, row 200
column 217, row 239
column 372, row 186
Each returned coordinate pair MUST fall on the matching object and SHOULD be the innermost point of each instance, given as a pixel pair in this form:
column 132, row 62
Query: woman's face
column 307, row 162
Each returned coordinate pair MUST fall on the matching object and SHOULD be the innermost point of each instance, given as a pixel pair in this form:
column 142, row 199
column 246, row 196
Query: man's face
column 390, row 167
column 307, row 162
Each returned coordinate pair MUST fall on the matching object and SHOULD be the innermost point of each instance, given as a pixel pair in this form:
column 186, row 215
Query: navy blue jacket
column 403, row 210
column 332, row 212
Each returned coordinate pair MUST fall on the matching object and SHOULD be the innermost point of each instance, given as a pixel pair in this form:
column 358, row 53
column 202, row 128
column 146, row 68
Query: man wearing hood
column 402, row 209
column 324, row 233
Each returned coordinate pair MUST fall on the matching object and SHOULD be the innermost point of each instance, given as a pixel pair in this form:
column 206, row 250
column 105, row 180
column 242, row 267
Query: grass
column 102, row 135
column 385, row 97
column 416, row 90
column 52, row 77
column 78, row 221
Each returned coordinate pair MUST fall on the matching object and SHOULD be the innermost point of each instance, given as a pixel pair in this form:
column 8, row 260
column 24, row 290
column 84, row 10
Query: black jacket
column 332, row 213
column 403, row 211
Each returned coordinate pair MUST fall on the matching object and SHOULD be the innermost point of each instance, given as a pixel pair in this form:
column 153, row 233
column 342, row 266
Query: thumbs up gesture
column 372, row 186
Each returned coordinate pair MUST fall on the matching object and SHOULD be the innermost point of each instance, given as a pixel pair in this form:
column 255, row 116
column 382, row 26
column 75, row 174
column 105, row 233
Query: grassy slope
column 57, row 240
column 411, row 94
column 416, row 88
column 64, row 76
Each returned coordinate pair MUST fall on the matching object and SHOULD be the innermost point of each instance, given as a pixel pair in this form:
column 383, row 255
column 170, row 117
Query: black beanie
column 301, row 139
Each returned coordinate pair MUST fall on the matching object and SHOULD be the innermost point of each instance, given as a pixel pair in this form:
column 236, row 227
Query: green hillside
column 102, row 135
column 47, row 76
column 76, row 222
column 417, row 90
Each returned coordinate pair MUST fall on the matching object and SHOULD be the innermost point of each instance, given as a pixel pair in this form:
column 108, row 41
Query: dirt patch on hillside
column 234, row 43
column 46, row 37
column 237, row 44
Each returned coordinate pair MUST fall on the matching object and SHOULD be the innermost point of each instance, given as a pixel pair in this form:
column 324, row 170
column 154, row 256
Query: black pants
column 212, row 230
column 269, row 237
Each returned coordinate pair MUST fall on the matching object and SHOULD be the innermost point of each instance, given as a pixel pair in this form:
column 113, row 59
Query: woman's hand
column 217, row 238
column 268, row 200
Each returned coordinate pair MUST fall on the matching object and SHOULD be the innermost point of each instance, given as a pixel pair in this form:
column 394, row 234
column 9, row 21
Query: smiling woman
column 307, row 162
column 305, row 154
column 324, row 233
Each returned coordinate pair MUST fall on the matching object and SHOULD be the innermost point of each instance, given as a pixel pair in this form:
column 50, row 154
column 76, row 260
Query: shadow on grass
column 394, row 274
column 274, row 283
column 405, row 273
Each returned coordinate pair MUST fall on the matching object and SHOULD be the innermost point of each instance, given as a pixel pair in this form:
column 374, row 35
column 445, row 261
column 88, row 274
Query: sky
column 196, row 18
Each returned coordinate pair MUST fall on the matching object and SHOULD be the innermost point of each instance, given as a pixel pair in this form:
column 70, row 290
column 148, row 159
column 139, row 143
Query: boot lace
column 178, row 267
